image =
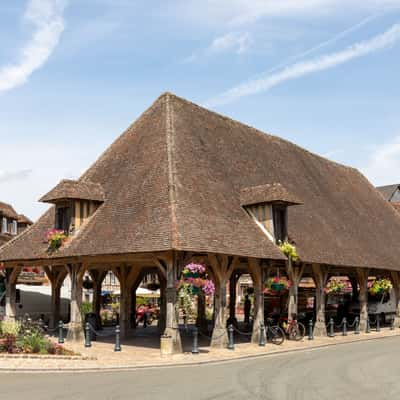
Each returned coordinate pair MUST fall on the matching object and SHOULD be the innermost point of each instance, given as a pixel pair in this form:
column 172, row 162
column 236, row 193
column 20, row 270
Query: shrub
column 9, row 327
column 35, row 343
column 86, row 308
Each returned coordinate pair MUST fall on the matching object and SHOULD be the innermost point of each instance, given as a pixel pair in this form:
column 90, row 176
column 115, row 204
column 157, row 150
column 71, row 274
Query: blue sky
column 74, row 74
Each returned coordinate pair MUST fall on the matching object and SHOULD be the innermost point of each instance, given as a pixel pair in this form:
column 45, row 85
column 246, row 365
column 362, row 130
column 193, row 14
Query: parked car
column 383, row 305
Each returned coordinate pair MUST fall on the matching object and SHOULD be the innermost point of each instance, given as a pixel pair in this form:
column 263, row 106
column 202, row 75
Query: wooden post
column 320, row 279
column 232, row 299
column 257, row 274
column 295, row 273
column 75, row 329
column 56, row 277
column 171, row 333
column 396, row 290
column 222, row 268
column 97, row 279
column 11, row 276
column 362, row 277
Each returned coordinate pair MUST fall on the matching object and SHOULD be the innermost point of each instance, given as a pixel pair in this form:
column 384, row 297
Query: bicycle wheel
column 276, row 334
column 297, row 331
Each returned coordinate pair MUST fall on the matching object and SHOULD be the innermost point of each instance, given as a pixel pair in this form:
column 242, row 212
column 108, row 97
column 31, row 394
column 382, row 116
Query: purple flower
column 196, row 268
column 209, row 287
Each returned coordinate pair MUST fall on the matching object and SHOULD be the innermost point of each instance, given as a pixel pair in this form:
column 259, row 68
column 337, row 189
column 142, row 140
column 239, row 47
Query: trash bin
column 92, row 319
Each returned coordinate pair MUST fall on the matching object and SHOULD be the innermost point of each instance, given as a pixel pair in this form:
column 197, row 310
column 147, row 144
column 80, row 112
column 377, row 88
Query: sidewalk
column 101, row 355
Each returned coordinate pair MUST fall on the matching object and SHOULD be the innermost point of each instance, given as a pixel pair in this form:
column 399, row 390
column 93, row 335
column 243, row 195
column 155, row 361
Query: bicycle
column 274, row 333
column 293, row 329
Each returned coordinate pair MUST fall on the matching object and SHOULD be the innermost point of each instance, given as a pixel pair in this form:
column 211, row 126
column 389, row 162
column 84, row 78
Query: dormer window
column 14, row 228
column 279, row 215
column 267, row 205
column 63, row 218
column 75, row 202
column 4, row 226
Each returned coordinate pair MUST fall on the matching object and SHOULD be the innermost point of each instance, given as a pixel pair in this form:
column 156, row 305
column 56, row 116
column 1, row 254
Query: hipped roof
column 8, row 211
column 70, row 189
column 269, row 193
column 173, row 181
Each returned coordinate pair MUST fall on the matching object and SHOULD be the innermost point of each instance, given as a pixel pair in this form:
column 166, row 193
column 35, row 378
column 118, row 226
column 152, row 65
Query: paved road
column 366, row 370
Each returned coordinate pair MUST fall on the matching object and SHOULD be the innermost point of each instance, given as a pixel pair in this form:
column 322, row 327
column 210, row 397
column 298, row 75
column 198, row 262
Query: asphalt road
column 366, row 370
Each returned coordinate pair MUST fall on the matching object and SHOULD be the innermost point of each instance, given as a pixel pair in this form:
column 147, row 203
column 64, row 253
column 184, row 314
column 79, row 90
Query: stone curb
column 189, row 364
column 46, row 357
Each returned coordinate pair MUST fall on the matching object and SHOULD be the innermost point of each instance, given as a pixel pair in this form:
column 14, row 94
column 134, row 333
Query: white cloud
column 383, row 165
column 232, row 42
column 324, row 62
column 242, row 12
column 237, row 42
column 18, row 175
column 46, row 16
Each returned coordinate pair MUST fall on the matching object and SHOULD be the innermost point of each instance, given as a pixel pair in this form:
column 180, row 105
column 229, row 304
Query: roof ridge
column 170, row 139
column 256, row 130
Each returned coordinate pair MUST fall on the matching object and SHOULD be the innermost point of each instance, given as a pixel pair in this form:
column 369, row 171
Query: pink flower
column 208, row 287
column 196, row 268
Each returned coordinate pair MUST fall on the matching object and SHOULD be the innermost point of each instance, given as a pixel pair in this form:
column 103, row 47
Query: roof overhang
column 269, row 193
column 69, row 190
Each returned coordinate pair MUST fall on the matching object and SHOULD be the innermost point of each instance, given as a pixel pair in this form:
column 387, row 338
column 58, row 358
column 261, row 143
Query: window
column 14, row 228
column 280, row 223
column 4, row 226
column 63, row 218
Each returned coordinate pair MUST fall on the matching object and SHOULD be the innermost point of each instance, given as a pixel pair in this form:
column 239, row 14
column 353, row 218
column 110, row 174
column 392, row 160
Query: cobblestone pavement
column 143, row 351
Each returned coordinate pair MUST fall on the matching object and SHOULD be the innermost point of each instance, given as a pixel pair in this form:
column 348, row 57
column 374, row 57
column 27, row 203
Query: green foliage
column 141, row 300
column 35, row 343
column 381, row 286
column 9, row 327
column 186, row 300
column 86, row 308
column 289, row 250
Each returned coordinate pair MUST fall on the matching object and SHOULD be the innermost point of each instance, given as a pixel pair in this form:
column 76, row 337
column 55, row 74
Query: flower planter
column 277, row 286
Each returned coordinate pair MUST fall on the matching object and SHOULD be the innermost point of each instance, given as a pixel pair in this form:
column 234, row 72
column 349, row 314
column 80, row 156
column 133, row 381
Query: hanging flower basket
column 55, row 239
column 289, row 250
column 335, row 286
column 380, row 286
column 276, row 285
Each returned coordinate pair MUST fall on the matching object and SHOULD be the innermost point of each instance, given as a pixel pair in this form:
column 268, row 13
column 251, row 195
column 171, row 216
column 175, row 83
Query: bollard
column 331, row 328
column 368, row 326
column 117, row 339
column 87, row 335
column 344, row 331
column 357, row 326
column 231, row 344
column 378, row 323
column 60, row 332
column 195, row 347
column 262, row 335
column 310, row 330
column 392, row 324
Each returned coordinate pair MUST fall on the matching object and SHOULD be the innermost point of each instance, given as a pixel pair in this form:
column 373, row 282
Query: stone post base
column 397, row 321
column 75, row 332
column 219, row 338
column 171, row 342
column 363, row 325
column 320, row 329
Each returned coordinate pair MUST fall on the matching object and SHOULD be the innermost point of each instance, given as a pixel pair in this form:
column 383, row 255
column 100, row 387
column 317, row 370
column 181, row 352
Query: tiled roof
column 173, row 181
column 269, row 193
column 8, row 211
column 69, row 189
